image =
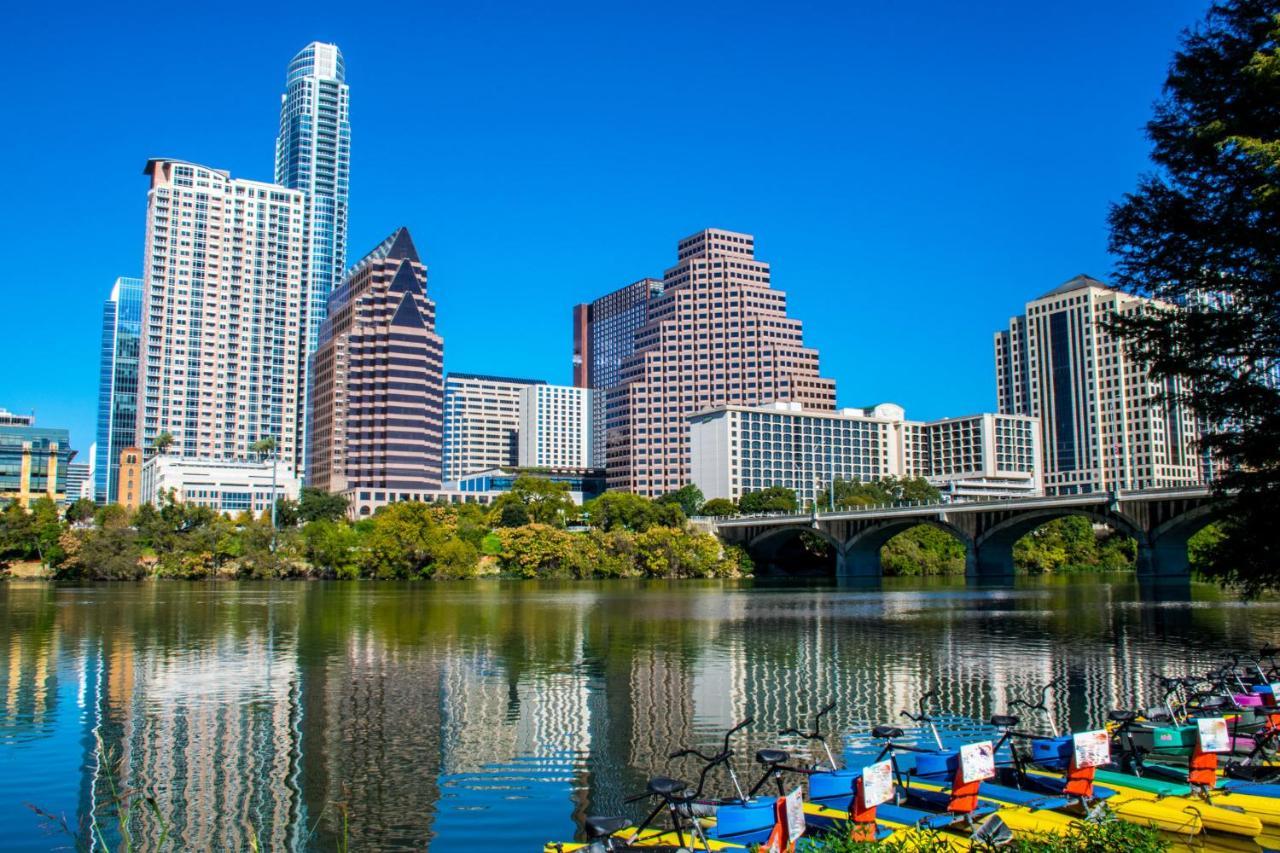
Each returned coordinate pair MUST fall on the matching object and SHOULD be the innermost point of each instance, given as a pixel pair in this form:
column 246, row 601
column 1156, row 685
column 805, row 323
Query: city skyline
column 860, row 237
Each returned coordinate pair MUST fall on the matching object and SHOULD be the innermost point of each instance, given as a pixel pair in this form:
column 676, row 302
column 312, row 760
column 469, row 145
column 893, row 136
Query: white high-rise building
column 222, row 355
column 555, row 427
column 741, row 449
column 481, row 423
column 1102, row 424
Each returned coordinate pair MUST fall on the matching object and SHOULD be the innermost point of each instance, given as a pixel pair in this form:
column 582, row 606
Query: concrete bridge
column 1160, row 521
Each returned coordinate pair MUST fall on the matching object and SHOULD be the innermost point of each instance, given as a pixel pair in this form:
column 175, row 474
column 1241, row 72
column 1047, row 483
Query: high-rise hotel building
column 603, row 335
column 117, row 384
column 378, row 385
column 1102, row 424
column 555, row 427
column 481, row 422
column 717, row 335
column 224, row 307
column 313, row 154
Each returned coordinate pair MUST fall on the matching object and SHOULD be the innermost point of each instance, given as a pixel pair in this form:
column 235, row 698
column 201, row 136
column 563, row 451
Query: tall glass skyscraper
column 313, row 154
column 117, row 383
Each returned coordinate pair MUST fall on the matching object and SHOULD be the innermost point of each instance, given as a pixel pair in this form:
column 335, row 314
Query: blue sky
column 913, row 172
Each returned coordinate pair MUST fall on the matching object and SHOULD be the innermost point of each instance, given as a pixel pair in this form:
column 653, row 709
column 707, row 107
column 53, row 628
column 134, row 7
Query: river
column 472, row 716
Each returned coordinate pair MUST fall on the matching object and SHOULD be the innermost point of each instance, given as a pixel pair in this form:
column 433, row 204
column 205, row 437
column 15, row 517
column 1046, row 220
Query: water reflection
column 461, row 716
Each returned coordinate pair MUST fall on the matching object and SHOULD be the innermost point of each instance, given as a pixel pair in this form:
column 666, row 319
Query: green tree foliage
column 105, row 553
column 405, row 541
column 886, row 490
column 543, row 501
column 1070, row 544
column 317, row 505
column 81, row 510
column 719, row 508
column 624, row 511
column 111, row 515
column 536, row 551
column 330, row 547
column 923, row 550
column 689, row 498
column 1202, row 232
column 772, row 499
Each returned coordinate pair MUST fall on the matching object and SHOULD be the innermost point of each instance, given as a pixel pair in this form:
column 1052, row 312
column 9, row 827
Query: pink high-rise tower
column 717, row 335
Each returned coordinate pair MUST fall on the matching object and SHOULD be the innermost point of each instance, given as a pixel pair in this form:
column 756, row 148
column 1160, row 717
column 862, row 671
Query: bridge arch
column 773, row 549
column 994, row 546
column 1166, row 554
column 862, row 551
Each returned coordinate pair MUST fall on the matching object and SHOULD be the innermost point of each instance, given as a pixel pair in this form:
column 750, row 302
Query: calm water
column 459, row 716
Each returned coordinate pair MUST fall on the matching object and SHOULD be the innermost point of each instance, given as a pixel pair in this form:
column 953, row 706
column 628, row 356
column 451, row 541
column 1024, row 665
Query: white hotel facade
column 556, row 427
column 740, row 449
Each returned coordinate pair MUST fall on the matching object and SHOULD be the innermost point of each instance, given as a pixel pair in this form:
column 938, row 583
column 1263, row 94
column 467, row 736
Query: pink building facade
column 717, row 335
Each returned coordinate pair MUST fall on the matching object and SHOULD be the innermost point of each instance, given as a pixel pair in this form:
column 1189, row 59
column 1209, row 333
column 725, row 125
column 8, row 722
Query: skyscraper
column 223, row 307
column 377, row 395
column 481, row 423
column 313, row 154
column 717, row 335
column 1102, row 425
column 117, row 384
column 603, row 335
column 555, row 427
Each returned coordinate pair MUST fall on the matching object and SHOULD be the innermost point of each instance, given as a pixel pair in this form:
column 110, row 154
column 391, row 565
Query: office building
column 224, row 312
column 555, row 427
column 377, row 396
column 33, row 460
column 79, row 481
column 117, row 383
column 481, row 422
column 1102, row 425
column 603, row 335
column 129, row 480
column 228, row 486
column 741, row 449
column 313, row 154
column 717, row 335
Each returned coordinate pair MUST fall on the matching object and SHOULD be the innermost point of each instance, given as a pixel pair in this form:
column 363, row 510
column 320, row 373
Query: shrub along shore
column 534, row 531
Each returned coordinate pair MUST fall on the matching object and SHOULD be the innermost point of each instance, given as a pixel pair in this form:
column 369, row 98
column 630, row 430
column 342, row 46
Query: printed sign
column 1214, row 736
column 795, row 815
column 1092, row 749
column 1275, row 689
column 977, row 761
column 877, row 783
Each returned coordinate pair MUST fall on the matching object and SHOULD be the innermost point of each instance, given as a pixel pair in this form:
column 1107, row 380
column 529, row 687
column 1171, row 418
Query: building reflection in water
column 457, row 716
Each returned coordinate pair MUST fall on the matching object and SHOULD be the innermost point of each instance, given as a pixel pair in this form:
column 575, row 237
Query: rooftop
column 1080, row 282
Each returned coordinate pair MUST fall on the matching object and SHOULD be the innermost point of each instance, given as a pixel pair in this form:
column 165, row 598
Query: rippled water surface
column 474, row 716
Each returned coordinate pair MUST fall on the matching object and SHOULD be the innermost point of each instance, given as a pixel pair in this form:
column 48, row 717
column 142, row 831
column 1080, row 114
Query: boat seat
column 1005, row 721
column 665, row 787
column 603, row 827
column 886, row 732
column 772, row 756
column 1122, row 716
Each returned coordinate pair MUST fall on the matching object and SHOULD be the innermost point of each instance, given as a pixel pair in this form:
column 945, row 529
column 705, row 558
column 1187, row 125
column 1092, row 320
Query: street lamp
column 268, row 445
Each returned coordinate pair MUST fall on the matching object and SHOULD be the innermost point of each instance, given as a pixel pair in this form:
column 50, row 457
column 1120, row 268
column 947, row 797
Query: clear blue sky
column 914, row 172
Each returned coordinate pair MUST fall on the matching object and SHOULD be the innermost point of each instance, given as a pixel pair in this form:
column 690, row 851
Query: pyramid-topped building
column 377, row 399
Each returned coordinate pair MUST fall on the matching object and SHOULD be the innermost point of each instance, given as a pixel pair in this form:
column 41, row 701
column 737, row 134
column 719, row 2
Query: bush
column 719, row 508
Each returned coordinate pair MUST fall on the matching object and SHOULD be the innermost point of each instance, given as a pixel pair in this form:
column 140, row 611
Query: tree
column 772, row 499
column 81, row 510
column 719, row 508
column 689, row 498
column 330, row 547
column 162, row 442
column 886, row 490
column 622, row 511
column 317, row 504
column 1202, row 234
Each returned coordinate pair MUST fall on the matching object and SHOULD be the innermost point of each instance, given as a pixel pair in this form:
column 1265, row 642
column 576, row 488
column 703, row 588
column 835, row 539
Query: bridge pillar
column 859, row 563
column 993, row 562
column 1166, row 558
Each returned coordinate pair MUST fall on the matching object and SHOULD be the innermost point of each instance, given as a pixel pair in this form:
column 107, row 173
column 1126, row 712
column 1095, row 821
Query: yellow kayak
column 1215, row 817
column 903, row 833
column 1164, row 815
column 649, row 838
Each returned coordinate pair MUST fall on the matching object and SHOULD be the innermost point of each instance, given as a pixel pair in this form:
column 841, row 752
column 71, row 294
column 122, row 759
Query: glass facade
column 313, row 154
column 117, row 384
column 27, row 453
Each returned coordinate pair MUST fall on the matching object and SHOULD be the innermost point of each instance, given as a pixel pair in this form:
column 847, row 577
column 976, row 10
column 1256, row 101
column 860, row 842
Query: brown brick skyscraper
column 377, row 392
column 717, row 335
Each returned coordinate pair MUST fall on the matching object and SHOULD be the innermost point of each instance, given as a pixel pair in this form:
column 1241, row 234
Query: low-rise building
column 584, row 483
column 228, row 486
column 129, row 482
column 741, row 449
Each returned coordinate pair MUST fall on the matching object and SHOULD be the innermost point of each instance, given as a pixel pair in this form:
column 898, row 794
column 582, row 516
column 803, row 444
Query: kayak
column 1219, row 816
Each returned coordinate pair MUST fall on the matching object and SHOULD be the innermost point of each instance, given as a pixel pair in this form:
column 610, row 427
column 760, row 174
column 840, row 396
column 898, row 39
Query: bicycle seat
column 1122, row 716
column 665, row 787
column 1157, row 716
column 603, row 827
column 1005, row 721
column 1213, row 702
column 886, row 732
column 772, row 756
